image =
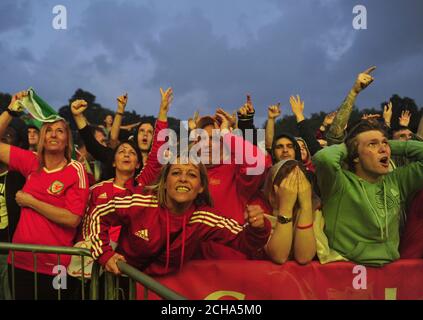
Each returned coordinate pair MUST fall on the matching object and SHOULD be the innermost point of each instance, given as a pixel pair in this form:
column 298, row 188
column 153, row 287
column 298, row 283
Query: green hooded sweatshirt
column 362, row 218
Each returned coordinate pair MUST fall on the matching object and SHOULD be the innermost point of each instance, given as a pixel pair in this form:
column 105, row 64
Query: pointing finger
column 369, row 70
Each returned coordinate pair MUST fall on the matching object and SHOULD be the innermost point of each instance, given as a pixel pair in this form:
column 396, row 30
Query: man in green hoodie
column 361, row 204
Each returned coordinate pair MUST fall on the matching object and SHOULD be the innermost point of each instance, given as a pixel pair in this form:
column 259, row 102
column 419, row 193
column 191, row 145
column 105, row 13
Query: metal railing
column 148, row 282
column 112, row 284
column 82, row 252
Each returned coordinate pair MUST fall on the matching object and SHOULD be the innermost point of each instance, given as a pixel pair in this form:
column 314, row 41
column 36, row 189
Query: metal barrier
column 112, row 289
column 82, row 252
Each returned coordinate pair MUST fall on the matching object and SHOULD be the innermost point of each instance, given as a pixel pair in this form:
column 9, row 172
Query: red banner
column 263, row 280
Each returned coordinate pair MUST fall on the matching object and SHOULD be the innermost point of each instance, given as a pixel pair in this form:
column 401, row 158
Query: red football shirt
column 65, row 188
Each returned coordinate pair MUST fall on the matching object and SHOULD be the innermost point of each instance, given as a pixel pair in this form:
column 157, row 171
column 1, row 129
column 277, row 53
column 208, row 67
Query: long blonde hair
column 41, row 142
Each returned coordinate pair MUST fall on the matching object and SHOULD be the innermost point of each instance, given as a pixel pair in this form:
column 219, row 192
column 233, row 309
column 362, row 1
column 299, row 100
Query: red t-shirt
column 64, row 188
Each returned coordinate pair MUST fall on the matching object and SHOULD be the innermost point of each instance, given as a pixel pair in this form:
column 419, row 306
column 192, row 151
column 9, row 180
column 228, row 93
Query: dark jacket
column 14, row 182
column 99, row 152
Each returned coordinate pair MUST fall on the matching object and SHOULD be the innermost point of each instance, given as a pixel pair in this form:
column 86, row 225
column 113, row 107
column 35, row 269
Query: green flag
column 40, row 110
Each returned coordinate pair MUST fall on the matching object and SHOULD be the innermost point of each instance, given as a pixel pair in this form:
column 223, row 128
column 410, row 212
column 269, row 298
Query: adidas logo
column 102, row 196
column 143, row 234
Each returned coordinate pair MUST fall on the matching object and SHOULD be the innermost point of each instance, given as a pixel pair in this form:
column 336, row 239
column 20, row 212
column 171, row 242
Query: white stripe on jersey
column 80, row 170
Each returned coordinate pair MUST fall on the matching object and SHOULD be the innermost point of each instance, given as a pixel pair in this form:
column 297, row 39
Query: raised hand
column 242, row 111
column 255, row 216
column 13, row 106
column 274, row 111
column 363, row 80
column 297, row 107
column 192, row 122
column 122, row 101
column 404, row 120
column 249, row 104
column 78, row 107
column 329, row 119
column 166, row 101
column 225, row 119
column 387, row 114
column 247, row 108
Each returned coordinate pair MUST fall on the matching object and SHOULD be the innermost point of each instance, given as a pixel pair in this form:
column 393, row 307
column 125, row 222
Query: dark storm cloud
column 311, row 49
column 120, row 28
column 15, row 15
column 283, row 59
column 304, row 47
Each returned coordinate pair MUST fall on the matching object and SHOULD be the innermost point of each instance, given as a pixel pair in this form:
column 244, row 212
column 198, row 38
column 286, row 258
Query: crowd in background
column 348, row 192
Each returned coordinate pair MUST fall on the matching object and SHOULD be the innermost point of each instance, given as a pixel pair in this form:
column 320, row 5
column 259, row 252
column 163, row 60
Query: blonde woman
column 52, row 202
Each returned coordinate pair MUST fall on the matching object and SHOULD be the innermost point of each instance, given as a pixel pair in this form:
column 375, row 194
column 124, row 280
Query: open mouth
column 384, row 161
column 182, row 189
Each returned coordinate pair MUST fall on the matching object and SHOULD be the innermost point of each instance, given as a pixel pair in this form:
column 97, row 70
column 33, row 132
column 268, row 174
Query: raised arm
column 96, row 149
column 335, row 134
column 153, row 166
column 306, row 133
column 117, row 120
column 404, row 119
column 273, row 112
column 5, row 119
column 387, row 114
column 411, row 175
column 254, row 162
column 328, row 162
column 246, row 119
column 77, row 109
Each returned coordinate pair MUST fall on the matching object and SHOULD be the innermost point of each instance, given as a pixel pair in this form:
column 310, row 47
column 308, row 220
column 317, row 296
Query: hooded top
column 362, row 218
column 308, row 164
column 151, row 233
column 294, row 142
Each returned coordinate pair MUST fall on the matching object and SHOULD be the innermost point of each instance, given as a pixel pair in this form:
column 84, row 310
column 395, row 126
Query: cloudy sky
column 212, row 52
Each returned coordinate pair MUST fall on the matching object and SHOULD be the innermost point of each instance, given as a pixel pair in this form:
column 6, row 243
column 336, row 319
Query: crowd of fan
column 343, row 193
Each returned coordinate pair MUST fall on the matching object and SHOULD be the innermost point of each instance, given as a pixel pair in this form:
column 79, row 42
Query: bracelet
column 119, row 113
column 12, row 113
column 305, row 227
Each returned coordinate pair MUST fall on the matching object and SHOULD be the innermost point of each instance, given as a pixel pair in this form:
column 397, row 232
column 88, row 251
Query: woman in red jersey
column 127, row 159
column 52, row 202
column 163, row 228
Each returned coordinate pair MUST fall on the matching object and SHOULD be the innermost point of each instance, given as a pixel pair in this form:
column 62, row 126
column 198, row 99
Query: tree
column 5, row 99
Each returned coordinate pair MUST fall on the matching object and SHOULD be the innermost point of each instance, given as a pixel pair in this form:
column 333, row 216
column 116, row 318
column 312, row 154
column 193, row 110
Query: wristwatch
column 284, row 220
